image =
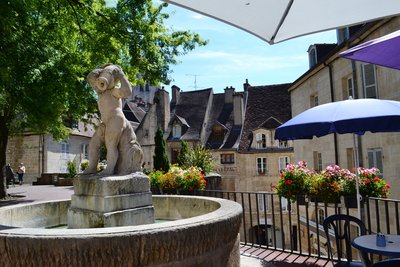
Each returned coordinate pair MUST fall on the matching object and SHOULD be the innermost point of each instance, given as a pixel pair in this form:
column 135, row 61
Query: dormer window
column 261, row 140
column 177, row 131
column 218, row 134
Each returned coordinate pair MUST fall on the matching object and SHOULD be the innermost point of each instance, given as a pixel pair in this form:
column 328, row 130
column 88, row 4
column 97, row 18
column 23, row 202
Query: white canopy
column 278, row 20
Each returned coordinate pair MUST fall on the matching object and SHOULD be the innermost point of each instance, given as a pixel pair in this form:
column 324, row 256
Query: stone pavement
column 28, row 194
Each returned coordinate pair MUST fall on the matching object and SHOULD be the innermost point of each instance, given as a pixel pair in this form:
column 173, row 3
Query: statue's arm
column 125, row 90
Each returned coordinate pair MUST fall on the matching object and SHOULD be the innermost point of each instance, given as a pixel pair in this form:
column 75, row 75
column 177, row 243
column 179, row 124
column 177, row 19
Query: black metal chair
column 387, row 263
column 339, row 226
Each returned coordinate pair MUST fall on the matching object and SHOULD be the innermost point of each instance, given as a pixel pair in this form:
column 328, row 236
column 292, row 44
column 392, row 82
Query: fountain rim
column 226, row 209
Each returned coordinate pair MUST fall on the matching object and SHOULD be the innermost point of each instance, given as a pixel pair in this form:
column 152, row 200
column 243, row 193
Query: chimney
column 246, row 85
column 229, row 94
column 238, row 112
column 175, row 94
column 163, row 108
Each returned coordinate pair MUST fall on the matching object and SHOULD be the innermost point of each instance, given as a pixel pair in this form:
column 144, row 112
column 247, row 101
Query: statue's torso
column 109, row 105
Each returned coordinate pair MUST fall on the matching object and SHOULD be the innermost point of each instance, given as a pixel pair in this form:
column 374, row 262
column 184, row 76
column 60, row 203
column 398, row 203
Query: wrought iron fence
column 274, row 223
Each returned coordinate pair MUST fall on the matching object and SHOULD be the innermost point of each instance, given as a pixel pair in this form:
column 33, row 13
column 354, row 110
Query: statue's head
column 105, row 77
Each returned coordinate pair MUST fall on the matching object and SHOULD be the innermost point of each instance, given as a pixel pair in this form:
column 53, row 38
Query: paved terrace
column 250, row 256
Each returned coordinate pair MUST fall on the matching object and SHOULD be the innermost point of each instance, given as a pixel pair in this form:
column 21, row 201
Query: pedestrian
column 8, row 174
column 20, row 172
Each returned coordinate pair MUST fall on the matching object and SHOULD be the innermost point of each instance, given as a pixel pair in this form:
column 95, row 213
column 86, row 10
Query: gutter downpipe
column 335, row 142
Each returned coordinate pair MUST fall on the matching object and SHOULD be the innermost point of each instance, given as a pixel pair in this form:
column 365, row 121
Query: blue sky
column 232, row 55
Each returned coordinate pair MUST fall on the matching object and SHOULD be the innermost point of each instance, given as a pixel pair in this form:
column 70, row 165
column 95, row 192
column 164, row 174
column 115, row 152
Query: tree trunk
column 3, row 149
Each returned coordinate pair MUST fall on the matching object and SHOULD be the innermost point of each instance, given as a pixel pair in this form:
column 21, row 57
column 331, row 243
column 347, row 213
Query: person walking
column 20, row 172
column 8, row 172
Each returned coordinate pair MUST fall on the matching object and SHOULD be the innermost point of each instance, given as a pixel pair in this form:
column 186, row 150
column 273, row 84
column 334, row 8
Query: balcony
column 280, row 232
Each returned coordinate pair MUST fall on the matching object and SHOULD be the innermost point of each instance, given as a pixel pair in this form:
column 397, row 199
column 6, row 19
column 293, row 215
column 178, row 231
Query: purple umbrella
column 383, row 51
column 349, row 116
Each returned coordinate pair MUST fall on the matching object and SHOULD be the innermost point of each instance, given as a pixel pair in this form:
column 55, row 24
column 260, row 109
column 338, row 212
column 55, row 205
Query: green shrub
column 84, row 164
column 71, row 168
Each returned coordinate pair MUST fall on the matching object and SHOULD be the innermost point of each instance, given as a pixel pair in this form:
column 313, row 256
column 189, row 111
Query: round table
column 367, row 243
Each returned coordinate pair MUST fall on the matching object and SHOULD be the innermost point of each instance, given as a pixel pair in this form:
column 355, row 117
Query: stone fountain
column 110, row 220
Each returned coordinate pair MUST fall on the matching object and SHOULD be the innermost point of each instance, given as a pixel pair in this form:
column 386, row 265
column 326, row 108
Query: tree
column 160, row 157
column 48, row 47
column 183, row 154
column 202, row 158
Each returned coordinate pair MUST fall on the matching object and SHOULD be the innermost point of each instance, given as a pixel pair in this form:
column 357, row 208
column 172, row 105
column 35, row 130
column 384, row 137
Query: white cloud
column 240, row 62
column 197, row 16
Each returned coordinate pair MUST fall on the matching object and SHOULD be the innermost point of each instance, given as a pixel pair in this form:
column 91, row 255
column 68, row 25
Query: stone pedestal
column 111, row 201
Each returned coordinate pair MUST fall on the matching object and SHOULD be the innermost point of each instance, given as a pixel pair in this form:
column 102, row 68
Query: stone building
column 334, row 78
column 45, row 157
column 237, row 127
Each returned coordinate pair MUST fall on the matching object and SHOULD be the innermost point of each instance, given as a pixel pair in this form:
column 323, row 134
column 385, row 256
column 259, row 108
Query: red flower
column 376, row 179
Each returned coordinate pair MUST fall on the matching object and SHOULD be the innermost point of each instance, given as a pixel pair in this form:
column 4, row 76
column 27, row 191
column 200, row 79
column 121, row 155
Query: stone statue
column 124, row 154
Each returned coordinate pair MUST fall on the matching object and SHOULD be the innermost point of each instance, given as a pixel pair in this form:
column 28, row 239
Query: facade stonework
column 331, row 81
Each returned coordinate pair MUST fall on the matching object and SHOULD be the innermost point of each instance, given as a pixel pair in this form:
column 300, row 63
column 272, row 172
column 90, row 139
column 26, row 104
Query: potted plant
column 193, row 179
column 177, row 180
column 292, row 182
column 326, row 185
column 371, row 185
column 154, row 177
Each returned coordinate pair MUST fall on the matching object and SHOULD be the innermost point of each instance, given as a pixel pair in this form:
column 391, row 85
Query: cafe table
column 367, row 243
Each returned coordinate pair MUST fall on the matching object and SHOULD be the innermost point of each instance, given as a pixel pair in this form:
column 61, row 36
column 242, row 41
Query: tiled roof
column 133, row 113
column 192, row 107
column 267, row 107
column 221, row 114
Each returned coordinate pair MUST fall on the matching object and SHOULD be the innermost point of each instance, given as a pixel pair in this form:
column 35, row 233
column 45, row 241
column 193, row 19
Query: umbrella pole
column 356, row 163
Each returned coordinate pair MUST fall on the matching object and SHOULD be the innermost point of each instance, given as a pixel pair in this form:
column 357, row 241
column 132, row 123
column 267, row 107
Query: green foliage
column 293, row 180
column 371, row 185
column 178, row 180
column 201, row 158
column 103, row 152
column 151, row 47
column 160, row 158
column 84, row 164
column 71, row 168
column 183, row 154
column 154, row 178
column 48, row 47
column 329, row 184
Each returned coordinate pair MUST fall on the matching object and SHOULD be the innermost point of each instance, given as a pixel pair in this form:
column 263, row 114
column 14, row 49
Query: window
column 176, row 131
column 342, row 34
column 261, row 141
column 262, row 202
column 348, row 88
column 64, row 150
column 312, row 57
column 350, row 158
column 85, row 151
column 317, row 161
column 283, row 162
column 218, row 134
column 262, row 166
column 314, row 100
column 369, row 81
column 227, row 158
column 283, row 144
column 375, row 159
column 174, row 155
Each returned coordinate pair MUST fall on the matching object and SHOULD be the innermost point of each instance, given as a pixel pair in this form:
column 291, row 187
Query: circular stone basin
column 197, row 231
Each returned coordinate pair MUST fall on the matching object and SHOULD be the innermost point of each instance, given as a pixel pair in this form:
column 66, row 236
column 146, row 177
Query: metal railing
column 274, row 223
